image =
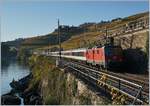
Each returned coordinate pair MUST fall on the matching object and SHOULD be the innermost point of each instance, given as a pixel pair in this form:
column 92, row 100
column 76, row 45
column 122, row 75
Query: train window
column 97, row 51
column 73, row 53
column 67, row 54
column 81, row 54
column 76, row 54
column 93, row 51
column 113, row 51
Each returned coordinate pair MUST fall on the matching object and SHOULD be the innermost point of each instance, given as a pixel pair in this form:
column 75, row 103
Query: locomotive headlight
column 114, row 57
column 120, row 59
column 109, row 60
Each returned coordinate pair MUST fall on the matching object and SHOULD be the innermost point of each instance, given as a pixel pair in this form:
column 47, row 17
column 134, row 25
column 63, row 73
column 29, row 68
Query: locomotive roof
column 103, row 46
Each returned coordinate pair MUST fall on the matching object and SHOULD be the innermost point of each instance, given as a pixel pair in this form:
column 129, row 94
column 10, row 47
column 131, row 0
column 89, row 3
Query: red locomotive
column 106, row 56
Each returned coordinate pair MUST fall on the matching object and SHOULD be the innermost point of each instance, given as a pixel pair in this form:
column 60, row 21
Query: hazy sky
column 31, row 18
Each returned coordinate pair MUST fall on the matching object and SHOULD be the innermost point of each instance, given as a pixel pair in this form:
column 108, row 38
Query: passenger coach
column 103, row 56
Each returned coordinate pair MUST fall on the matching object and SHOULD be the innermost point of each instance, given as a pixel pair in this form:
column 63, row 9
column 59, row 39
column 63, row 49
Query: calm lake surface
column 10, row 71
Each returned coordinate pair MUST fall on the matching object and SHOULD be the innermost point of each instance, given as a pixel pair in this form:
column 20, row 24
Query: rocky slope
column 136, row 50
column 55, row 86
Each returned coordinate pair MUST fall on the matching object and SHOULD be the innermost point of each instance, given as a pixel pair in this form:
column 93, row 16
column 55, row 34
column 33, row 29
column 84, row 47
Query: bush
column 85, row 100
column 51, row 100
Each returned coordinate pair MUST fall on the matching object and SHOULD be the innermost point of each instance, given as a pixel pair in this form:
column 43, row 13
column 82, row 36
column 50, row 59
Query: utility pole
column 59, row 40
column 132, row 39
column 96, row 27
column 106, row 36
column 84, row 38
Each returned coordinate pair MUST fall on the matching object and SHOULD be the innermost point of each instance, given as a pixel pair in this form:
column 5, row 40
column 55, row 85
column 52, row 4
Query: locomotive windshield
column 113, row 50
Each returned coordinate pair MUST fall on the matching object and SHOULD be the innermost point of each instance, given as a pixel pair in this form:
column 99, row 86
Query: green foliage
column 51, row 100
column 7, row 51
column 85, row 100
column 39, row 65
column 53, row 83
column 74, row 87
column 23, row 54
column 43, row 68
column 57, row 86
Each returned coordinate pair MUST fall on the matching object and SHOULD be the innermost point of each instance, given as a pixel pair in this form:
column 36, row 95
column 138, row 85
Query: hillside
column 130, row 32
column 58, row 87
column 51, row 39
column 84, row 35
column 15, row 43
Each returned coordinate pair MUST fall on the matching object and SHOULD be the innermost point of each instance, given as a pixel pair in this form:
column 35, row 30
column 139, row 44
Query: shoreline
column 15, row 95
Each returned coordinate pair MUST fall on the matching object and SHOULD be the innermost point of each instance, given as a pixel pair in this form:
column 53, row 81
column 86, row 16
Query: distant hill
column 91, row 32
column 16, row 43
column 7, row 53
column 51, row 39
column 75, row 36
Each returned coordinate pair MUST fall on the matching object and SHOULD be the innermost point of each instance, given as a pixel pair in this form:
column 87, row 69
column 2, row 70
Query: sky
column 28, row 18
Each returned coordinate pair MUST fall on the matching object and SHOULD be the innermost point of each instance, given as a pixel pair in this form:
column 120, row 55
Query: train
column 107, row 56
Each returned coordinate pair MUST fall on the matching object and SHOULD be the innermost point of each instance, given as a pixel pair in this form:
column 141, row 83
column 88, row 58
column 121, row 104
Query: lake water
column 12, row 70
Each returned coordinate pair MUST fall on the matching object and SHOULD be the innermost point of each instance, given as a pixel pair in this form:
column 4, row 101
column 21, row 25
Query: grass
column 51, row 100
column 85, row 100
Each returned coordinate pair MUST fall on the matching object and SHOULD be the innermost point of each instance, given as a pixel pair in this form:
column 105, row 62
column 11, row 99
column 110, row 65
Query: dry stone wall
column 133, row 40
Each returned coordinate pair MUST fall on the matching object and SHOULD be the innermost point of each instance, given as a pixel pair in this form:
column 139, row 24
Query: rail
column 110, row 76
column 130, row 89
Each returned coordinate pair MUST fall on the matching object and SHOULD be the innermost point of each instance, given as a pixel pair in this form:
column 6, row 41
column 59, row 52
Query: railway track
column 126, row 84
column 144, row 82
column 130, row 77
